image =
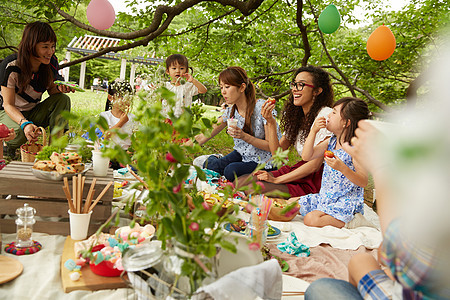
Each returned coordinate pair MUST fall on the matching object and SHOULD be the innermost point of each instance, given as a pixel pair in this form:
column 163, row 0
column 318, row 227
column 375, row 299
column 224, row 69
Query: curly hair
column 293, row 118
column 236, row 76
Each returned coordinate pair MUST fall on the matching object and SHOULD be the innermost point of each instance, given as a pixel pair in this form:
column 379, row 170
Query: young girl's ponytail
column 236, row 76
column 353, row 110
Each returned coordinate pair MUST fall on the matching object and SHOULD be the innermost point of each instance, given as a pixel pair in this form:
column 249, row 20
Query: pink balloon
column 100, row 14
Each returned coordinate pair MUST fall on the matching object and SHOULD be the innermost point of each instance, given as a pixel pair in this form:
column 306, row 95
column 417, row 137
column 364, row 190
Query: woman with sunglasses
column 311, row 97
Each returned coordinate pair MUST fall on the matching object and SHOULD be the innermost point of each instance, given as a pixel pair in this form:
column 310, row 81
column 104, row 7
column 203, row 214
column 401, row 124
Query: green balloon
column 329, row 19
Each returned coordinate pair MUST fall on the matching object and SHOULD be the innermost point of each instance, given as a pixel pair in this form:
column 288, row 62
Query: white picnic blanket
column 342, row 238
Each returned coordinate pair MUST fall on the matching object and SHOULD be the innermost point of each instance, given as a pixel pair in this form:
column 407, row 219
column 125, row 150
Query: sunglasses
column 299, row 85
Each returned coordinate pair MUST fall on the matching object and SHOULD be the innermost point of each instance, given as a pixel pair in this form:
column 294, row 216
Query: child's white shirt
column 321, row 135
column 184, row 94
column 127, row 128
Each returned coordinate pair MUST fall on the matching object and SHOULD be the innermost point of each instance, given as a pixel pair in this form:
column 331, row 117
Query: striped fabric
column 376, row 285
column 411, row 264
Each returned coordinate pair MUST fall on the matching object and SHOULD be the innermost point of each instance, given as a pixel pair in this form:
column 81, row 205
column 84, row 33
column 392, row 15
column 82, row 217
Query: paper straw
column 67, row 192
column 89, row 197
column 74, row 194
column 79, row 194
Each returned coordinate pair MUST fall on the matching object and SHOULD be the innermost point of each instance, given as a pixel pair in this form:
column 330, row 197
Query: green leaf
column 228, row 245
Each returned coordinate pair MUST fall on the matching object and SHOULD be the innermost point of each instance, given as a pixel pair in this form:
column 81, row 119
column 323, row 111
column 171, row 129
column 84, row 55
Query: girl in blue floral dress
column 250, row 133
column 341, row 195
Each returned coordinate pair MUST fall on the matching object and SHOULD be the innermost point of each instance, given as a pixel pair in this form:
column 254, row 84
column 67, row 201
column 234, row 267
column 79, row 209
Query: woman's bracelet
column 25, row 124
column 21, row 120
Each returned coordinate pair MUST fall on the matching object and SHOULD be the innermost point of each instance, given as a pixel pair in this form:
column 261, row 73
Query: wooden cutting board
column 11, row 268
column 88, row 280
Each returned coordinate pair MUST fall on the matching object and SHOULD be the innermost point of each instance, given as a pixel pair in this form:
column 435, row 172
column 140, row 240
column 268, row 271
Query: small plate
column 55, row 176
column 272, row 235
column 229, row 228
column 125, row 194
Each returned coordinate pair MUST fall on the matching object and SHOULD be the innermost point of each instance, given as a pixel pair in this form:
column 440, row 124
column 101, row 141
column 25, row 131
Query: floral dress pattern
column 249, row 152
column 338, row 196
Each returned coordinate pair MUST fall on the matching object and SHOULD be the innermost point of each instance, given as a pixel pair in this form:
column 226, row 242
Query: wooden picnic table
column 18, row 185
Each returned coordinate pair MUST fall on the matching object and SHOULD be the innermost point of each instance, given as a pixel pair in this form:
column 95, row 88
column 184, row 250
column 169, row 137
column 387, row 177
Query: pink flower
column 194, row 226
column 260, row 184
column 176, row 189
column 253, row 246
column 293, row 211
column 230, row 184
column 206, row 205
column 169, row 157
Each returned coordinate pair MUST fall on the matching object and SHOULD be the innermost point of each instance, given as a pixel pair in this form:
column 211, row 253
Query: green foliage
column 46, row 151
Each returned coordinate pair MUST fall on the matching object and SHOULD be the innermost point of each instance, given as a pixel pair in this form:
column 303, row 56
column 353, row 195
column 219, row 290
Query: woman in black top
column 24, row 80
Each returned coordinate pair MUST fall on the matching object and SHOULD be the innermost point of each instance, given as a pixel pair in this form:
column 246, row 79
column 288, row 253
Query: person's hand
column 335, row 162
column 264, row 176
column 293, row 199
column 65, row 89
column 235, row 132
column 266, row 110
column 11, row 135
column 364, row 148
column 31, row 132
column 319, row 124
column 123, row 117
column 188, row 77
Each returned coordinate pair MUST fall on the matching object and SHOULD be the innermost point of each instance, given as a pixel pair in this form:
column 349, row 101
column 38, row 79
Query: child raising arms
column 341, row 195
column 177, row 67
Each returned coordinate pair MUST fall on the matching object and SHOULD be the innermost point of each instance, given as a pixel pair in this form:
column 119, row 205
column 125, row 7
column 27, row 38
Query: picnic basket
column 28, row 151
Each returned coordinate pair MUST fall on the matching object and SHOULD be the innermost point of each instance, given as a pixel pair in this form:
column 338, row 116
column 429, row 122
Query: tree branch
column 369, row 97
column 155, row 29
column 273, row 74
column 201, row 25
column 304, row 32
column 330, row 58
column 245, row 7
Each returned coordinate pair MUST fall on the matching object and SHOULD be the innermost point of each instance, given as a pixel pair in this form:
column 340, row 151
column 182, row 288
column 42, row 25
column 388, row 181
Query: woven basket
column 29, row 151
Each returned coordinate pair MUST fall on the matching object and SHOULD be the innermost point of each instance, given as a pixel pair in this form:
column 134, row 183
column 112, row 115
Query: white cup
column 232, row 122
column 100, row 164
column 79, row 225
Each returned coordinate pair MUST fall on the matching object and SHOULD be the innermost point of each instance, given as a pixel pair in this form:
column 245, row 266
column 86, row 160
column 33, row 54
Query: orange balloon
column 381, row 43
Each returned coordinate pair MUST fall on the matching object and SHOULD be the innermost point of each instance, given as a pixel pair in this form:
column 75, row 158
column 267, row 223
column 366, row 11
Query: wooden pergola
column 89, row 44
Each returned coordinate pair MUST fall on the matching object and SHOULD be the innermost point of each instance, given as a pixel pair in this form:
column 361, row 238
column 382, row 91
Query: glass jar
column 257, row 229
column 143, row 264
column 24, row 222
column 203, row 271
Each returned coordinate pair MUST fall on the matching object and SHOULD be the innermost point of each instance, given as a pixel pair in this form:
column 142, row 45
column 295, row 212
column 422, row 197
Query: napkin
column 293, row 246
column 261, row 281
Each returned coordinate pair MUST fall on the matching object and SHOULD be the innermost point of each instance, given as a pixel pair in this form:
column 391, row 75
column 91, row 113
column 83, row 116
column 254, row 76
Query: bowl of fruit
column 277, row 211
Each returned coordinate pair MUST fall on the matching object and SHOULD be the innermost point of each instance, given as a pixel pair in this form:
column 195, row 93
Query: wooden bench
column 18, row 186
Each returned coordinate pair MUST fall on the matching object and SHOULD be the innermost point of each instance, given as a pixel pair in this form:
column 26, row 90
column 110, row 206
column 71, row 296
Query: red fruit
column 4, row 131
column 329, row 154
column 124, row 183
column 271, row 100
